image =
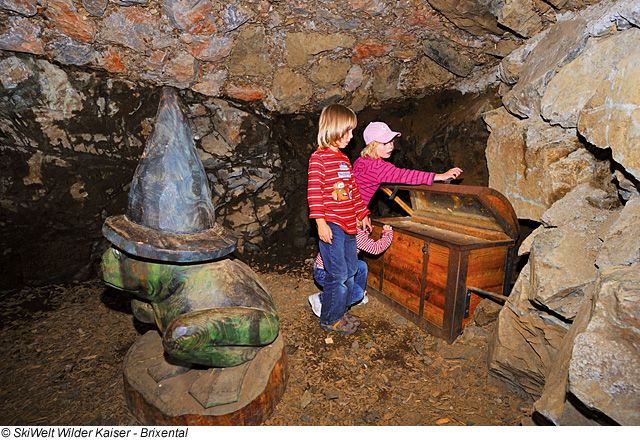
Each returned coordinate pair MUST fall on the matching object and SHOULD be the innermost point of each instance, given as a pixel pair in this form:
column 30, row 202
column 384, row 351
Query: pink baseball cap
column 379, row 132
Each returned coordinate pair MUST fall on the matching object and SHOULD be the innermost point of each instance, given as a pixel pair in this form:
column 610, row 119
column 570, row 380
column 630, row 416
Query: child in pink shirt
column 370, row 170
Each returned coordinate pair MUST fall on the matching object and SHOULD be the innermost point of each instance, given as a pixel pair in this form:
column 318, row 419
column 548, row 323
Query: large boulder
column 562, row 272
column 525, row 340
column 611, row 119
column 576, row 83
column 534, row 164
column 554, row 406
column 559, row 46
column 551, row 288
column 605, row 360
column 621, row 242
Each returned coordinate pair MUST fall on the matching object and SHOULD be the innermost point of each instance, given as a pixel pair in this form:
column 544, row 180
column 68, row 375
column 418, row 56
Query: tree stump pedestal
column 159, row 393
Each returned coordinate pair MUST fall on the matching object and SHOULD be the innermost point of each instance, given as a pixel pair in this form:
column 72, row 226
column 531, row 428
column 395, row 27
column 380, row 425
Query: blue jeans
column 359, row 286
column 340, row 260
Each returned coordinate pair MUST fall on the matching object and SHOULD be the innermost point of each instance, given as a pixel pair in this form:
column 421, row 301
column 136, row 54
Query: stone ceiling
column 290, row 56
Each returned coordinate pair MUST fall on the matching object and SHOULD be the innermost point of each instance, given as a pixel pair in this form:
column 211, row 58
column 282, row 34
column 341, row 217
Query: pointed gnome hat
column 170, row 216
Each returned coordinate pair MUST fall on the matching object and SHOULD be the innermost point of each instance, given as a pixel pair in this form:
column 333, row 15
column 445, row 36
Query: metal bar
column 398, row 201
column 423, row 279
column 508, row 269
column 487, row 293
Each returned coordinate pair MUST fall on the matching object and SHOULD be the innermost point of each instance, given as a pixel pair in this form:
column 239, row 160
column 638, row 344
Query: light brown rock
column 525, row 341
column 621, row 243
column 302, row 47
column 520, row 16
column 559, row 46
column 611, row 119
column 574, row 85
column 250, row 54
column 330, row 72
column 290, row 90
column 534, row 164
column 554, row 404
column 471, row 15
column 603, row 372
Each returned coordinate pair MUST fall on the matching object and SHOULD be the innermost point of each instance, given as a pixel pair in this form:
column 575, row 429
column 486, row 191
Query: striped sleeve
column 389, row 173
column 370, row 173
column 374, row 247
column 315, row 186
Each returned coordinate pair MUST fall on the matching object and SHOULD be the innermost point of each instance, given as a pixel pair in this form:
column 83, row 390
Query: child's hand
column 366, row 224
column 386, row 228
column 453, row 173
column 324, row 231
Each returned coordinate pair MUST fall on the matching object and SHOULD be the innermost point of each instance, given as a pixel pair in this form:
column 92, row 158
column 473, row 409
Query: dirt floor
column 63, row 346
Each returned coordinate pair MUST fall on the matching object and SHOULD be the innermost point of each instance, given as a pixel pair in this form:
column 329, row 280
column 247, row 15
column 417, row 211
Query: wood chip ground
column 62, row 350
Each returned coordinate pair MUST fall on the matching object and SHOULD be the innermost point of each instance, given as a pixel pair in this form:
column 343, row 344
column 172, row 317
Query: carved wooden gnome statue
column 170, row 216
column 211, row 309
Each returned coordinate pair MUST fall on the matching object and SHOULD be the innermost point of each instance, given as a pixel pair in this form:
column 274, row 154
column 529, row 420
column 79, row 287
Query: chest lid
column 475, row 211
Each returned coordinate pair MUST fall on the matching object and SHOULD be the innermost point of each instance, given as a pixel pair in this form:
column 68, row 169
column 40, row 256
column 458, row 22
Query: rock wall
column 564, row 148
column 71, row 143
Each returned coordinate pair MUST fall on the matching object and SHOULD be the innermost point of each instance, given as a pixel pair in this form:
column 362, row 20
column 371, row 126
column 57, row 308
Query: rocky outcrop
column 572, row 104
column 610, row 119
column 534, row 164
column 525, row 340
column 592, row 380
column 606, row 357
column 573, row 75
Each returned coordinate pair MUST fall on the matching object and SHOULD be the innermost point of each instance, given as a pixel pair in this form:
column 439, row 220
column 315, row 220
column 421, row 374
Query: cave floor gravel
column 63, row 346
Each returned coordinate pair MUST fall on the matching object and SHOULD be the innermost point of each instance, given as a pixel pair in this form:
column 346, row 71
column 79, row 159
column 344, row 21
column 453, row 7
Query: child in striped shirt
column 370, row 170
column 335, row 204
column 363, row 242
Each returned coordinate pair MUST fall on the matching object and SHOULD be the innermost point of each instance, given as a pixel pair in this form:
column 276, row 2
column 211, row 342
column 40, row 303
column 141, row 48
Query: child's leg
column 360, row 284
column 319, row 275
column 340, row 265
column 315, row 300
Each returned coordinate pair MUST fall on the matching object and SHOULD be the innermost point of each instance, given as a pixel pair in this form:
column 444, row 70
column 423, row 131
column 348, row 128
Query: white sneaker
column 365, row 298
column 316, row 305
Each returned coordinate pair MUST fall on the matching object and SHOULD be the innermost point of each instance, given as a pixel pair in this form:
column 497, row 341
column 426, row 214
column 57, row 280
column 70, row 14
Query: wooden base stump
column 252, row 390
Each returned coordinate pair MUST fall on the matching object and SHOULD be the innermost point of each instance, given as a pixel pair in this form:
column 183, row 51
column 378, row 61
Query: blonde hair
column 335, row 121
column 371, row 150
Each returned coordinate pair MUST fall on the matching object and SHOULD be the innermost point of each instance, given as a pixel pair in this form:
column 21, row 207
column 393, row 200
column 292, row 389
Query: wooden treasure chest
column 456, row 246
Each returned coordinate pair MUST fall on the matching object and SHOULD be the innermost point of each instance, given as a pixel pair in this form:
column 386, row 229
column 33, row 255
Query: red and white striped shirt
column 366, row 243
column 332, row 192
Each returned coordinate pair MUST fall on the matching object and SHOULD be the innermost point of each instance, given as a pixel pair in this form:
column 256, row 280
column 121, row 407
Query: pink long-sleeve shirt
column 369, row 174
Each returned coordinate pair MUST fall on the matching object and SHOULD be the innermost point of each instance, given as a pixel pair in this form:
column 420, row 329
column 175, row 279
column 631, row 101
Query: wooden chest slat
column 437, row 253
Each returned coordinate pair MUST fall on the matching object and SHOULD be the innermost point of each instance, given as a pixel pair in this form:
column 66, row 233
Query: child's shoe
column 316, row 305
column 343, row 327
column 350, row 318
